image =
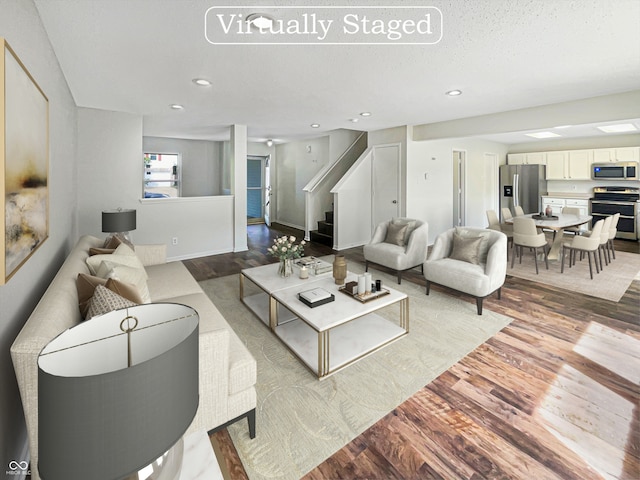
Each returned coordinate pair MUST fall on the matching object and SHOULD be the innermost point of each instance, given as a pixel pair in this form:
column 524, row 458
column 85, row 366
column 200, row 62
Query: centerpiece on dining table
column 286, row 250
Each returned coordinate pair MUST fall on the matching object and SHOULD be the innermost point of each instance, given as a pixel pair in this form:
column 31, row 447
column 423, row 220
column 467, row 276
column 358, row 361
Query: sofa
column 469, row 260
column 227, row 370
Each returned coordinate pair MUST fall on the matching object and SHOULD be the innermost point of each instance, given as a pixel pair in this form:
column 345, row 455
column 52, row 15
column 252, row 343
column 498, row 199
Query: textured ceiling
column 141, row 56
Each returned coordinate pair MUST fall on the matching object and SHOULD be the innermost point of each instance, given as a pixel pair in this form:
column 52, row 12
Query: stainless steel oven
column 608, row 201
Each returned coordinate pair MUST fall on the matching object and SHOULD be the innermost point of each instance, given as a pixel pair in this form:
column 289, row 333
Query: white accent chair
column 444, row 266
column 396, row 248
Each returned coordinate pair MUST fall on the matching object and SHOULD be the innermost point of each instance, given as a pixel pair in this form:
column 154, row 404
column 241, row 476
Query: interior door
column 267, row 190
column 255, row 190
column 459, row 188
column 385, row 183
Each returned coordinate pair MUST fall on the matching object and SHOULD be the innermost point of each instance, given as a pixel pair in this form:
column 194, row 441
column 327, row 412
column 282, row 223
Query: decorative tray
column 365, row 297
column 544, row 217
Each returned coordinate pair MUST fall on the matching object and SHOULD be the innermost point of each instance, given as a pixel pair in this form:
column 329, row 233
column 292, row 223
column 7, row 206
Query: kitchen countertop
column 578, row 196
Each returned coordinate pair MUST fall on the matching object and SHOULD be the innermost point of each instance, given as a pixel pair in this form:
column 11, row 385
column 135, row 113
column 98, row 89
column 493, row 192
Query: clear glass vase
column 285, row 269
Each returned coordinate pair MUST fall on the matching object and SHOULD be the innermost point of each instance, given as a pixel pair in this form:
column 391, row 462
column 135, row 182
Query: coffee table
column 329, row 337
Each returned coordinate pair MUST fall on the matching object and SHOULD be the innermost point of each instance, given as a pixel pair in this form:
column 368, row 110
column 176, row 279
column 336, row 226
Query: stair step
column 328, row 217
column 325, row 228
column 318, row 237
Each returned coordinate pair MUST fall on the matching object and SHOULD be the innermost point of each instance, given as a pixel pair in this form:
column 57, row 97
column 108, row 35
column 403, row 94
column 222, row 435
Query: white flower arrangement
column 285, row 248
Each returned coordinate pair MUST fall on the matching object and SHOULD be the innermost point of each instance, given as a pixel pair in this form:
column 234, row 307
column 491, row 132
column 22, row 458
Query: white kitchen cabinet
column 556, row 204
column 622, row 154
column 556, row 165
column 569, row 165
column 534, row 158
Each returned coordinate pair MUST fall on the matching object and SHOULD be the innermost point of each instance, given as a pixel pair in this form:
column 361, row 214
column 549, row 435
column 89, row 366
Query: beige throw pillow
column 466, row 249
column 133, row 275
column 395, row 234
column 86, row 286
column 123, row 255
column 484, row 245
column 104, row 301
column 411, row 226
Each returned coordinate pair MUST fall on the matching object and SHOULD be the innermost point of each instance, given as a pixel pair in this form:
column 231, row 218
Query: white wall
column 21, row 27
column 201, row 169
column 431, row 199
column 110, row 176
column 295, row 167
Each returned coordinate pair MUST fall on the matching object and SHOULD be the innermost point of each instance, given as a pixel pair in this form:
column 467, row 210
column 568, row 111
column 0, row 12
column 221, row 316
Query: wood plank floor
column 555, row 394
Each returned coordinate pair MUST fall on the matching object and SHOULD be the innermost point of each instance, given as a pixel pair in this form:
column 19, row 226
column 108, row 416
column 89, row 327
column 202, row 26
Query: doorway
column 459, row 188
column 385, row 183
column 258, row 189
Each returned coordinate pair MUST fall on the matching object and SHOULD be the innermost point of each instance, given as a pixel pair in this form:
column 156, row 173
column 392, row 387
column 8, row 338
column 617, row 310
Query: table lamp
column 117, row 392
column 119, row 222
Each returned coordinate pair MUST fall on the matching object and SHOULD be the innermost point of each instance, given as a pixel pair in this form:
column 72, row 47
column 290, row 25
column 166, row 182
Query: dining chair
column 572, row 211
column 583, row 243
column 494, row 224
column 525, row 234
column 613, row 231
column 518, row 211
column 506, row 214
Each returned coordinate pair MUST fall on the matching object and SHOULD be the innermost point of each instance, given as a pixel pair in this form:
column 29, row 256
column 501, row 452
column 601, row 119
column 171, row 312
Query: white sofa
column 227, row 370
column 479, row 279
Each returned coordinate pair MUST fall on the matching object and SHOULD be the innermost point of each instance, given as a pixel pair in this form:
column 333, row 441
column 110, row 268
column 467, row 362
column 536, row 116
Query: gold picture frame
column 24, row 158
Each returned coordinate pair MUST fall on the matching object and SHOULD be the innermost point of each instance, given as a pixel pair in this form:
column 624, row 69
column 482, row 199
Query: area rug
column 301, row 420
column 610, row 284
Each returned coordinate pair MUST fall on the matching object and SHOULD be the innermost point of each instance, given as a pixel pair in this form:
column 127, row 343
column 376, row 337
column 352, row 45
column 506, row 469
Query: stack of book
column 316, row 297
column 314, row 265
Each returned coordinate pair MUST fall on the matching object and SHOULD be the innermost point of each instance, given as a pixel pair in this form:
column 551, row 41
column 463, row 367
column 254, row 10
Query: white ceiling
column 140, row 56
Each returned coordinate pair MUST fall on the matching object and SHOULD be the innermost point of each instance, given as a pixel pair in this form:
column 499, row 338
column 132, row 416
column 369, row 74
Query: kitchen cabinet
column 623, row 154
column 569, row 165
column 556, row 204
column 535, row 158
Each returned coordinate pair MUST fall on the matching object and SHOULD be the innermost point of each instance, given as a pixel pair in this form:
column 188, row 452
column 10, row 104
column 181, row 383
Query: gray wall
column 21, row 27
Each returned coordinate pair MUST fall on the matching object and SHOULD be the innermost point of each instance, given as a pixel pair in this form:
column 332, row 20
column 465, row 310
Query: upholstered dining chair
column 525, row 234
column 494, row 224
column 399, row 244
column 613, row 231
column 519, row 212
column 506, row 214
column 583, row 243
column 572, row 211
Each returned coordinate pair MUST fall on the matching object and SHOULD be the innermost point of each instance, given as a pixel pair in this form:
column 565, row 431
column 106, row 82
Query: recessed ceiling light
column 269, row 143
column 260, row 20
column 454, row 93
column 176, row 106
column 620, row 128
column 354, row 120
column 202, row 82
column 315, row 125
column 365, row 114
column 560, row 127
column 542, row 135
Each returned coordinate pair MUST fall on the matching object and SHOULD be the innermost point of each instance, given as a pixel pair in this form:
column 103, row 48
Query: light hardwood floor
column 553, row 395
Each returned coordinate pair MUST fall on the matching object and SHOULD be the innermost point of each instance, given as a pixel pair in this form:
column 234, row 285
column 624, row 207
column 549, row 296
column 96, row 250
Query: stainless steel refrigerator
column 522, row 185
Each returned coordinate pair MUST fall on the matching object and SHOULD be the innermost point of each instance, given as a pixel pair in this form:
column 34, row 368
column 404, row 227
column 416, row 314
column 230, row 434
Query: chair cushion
column 466, row 249
column 395, row 233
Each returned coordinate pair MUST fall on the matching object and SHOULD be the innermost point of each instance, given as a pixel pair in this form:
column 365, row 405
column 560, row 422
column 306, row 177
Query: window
column 161, row 178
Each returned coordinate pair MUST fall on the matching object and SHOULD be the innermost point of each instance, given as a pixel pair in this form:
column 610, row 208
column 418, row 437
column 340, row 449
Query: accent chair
column 399, row 244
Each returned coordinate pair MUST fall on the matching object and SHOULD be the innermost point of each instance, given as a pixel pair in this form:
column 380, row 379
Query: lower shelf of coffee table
column 347, row 343
column 259, row 305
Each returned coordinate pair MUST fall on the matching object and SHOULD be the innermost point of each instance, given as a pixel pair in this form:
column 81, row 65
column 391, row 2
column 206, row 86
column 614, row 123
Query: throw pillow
column 411, row 226
column 123, row 255
column 484, row 245
column 104, row 301
column 466, row 249
column 101, row 251
column 136, row 276
column 395, row 234
column 86, row 285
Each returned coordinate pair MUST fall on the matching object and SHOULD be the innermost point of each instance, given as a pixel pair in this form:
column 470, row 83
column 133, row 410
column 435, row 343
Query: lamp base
column 124, row 237
column 166, row 467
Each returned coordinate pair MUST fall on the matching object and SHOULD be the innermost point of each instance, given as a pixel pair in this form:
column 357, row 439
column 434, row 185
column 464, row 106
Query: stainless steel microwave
column 615, row 171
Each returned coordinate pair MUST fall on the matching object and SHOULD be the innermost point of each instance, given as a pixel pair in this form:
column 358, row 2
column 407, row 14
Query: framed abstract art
column 24, row 157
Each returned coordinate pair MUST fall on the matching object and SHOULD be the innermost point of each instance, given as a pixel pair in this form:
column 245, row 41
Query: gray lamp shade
column 100, row 419
column 118, row 220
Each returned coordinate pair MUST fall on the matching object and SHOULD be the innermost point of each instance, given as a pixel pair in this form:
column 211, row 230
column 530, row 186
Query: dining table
column 558, row 223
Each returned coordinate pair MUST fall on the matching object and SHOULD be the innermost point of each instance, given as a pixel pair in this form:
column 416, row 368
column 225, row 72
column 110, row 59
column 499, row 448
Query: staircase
column 324, row 233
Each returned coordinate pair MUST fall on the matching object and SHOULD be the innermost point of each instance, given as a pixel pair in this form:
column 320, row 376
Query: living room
column 95, row 165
